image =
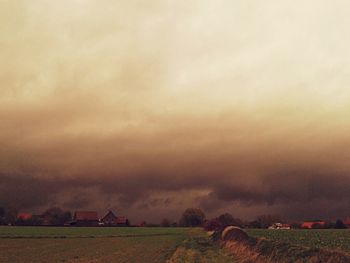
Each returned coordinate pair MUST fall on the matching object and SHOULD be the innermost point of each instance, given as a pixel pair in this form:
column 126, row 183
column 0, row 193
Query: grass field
column 64, row 244
column 323, row 238
column 172, row 245
column 71, row 232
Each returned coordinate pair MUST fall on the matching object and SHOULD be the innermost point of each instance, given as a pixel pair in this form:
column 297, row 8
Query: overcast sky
column 150, row 107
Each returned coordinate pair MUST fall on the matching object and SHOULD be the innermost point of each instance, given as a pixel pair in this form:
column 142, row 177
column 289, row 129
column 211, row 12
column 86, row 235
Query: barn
column 313, row 224
column 24, row 216
column 110, row 219
column 85, row 218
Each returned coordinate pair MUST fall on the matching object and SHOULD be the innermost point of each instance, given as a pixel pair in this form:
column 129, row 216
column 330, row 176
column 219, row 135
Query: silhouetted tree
column 165, row 223
column 228, row 220
column 2, row 216
column 264, row 221
column 329, row 224
column 213, row 225
column 254, row 224
column 339, row 224
column 10, row 215
column 32, row 221
column 56, row 216
column 2, row 212
column 192, row 217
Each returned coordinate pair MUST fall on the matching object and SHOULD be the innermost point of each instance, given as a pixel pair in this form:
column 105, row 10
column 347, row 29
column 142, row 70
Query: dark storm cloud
column 304, row 186
column 295, row 194
column 218, row 163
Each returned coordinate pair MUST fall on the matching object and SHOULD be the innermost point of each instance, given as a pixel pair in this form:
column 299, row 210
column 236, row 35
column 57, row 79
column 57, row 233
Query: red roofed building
column 24, row 216
column 110, row 219
column 313, row 224
column 122, row 221
column 347, row 222
column 85, row 218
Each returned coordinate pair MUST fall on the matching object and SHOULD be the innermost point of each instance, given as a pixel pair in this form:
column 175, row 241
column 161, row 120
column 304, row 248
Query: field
column 173, row 245
column 323, row 238
column 83, row 232
column 64, row 244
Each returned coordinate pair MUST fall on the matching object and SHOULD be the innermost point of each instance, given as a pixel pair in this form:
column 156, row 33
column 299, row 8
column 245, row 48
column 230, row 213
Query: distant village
column 191, row 217
column 275, row 223
column 57, row 217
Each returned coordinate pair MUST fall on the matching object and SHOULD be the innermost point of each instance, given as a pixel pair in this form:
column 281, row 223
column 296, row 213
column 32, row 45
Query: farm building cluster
column 81, row 218
column 90, row 218
column 312, row 224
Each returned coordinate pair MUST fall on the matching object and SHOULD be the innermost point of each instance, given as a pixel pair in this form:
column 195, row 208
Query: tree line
column 195, row 217
column 191, row 217
column 51, row 216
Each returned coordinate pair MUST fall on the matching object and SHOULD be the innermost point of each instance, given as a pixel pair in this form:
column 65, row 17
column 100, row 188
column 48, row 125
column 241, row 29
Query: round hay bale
column 234, row 233
column 215, row 236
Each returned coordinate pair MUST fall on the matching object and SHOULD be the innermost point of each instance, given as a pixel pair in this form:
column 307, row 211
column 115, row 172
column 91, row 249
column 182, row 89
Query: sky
column 151, row 107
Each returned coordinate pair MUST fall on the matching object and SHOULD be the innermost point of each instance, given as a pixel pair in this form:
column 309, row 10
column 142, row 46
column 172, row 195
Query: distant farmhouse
column 280, row 226
column 80, row 218
column 313, row 224
column 110, row 219
column 24, row 216
column 90, row 218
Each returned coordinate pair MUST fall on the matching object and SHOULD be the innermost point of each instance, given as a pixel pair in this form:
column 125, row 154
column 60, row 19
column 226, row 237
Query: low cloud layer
column 165, row 178
column 148, row 109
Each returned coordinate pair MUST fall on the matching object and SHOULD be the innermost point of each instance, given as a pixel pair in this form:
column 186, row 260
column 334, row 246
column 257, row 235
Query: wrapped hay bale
column 234, row 233
column 215, row 235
